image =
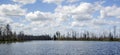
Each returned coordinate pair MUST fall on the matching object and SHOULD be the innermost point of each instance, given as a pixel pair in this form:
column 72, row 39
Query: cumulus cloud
column 58, row 2
column 41, row 19
column 8, row 12
column 103, row 22
column 25, row 1
column 72, row 1
column 82, row 17
column 79, row 24
column 5, row 20
column 39, row 16
column 82, row 12
column 63, row 13
column 18, row 25
column 65, row 9
column 63, row 16
column 100, row 22
column 41, row 24
column 84, row 8
column 11, row 10
column 110, row 11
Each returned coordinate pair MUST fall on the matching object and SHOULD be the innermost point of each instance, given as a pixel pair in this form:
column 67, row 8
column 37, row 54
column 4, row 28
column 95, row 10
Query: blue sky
column 48, row 16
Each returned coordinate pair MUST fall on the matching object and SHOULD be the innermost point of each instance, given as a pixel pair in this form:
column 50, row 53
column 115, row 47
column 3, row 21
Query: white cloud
column 84, row 8
column 58, row 2
column 65, row 9
column 110, row 11
column 103, row 22
column 5, row 20
column 100, row 22
column 40, row 24
column 64, row 16
column 82, row 17
column 94, row 23
column 41, row 19
column 8, row 12
column 82, row 12
column 63, row 13
column 25, row 1
column 60, row 17
column 79, row 24
column 72, row 1
column 18, row 25
column 39, row 16
column 11, row 10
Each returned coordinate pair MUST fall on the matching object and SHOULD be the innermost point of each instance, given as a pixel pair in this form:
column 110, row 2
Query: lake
column 60, row 48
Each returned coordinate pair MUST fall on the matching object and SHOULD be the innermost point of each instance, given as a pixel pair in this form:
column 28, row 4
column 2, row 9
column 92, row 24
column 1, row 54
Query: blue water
column 60, row 48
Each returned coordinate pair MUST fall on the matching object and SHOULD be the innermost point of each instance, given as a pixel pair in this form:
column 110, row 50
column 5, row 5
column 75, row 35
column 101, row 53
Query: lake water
column 60, row 48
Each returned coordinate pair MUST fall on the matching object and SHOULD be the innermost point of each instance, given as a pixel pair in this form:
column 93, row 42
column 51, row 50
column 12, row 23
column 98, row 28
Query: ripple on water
column 61, row 48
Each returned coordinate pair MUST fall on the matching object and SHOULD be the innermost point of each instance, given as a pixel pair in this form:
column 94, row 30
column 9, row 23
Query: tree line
column 6, row 34
column 88, row 36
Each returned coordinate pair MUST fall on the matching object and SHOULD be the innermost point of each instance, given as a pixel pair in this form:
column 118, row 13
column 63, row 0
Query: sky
column 48, row 16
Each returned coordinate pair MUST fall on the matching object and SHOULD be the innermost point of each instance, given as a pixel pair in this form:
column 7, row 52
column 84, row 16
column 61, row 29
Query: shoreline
column 58, row 40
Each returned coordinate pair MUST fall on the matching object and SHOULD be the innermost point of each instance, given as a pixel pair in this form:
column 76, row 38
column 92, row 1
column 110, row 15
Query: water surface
column 60, row 48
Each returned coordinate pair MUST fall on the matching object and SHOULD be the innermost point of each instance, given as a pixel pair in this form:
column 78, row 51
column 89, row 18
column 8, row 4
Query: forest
column 6, row 34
